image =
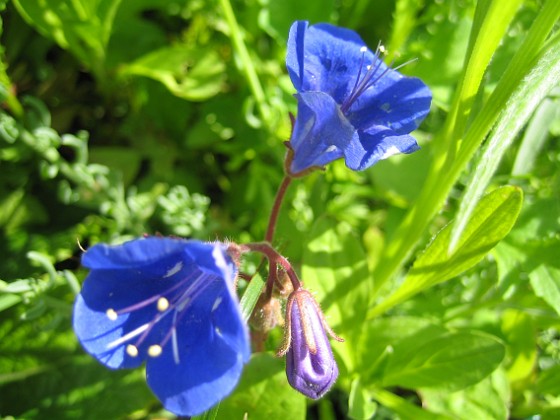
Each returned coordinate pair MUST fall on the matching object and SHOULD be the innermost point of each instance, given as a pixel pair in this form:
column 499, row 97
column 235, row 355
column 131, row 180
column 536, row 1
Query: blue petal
column 321, row 133
column 212, row 343
column 133, row 254
column 375, row 144
column 325, row 58
column 295, row 54
column 394, row 101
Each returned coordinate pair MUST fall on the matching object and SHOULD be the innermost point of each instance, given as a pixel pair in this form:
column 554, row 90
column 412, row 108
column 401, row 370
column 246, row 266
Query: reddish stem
column 275, row 211
column 274, row 258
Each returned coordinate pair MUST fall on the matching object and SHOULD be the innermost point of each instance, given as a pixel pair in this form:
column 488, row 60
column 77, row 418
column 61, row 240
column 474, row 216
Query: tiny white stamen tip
column 382, row 49
column 131, row 350
column 162, row 304
column 154, row 350
column 111, row 314
column 368, row 67
column 363, row 49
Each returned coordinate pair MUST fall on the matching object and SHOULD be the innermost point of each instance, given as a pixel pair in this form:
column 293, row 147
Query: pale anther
column 154, row 350
column 162, row 304
column 111, row 314
column 363, row 49
column 131, row 350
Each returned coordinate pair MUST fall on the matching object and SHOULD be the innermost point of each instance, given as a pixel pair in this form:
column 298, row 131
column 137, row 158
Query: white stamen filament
column 175, row 347
column 128, row 336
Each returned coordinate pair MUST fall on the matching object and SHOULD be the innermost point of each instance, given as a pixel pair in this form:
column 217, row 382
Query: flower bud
column 310, row 365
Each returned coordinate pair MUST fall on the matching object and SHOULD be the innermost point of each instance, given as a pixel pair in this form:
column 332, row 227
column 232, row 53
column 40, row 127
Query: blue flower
column 171, row 303
column 350, row 104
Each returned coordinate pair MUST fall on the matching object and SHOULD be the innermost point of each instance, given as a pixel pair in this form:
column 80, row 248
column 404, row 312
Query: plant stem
column 247, row 64
column 275, row 211
column 274, row 258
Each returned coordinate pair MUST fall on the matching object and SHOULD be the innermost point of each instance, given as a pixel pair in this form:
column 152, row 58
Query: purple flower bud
column 310, row 365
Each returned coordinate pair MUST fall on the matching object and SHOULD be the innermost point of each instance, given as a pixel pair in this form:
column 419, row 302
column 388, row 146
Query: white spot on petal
column 174, row 270
column 216, row 303
column 391, row 151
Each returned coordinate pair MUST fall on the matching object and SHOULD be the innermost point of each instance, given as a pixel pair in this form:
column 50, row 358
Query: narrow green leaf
column 437, row 187
column 492, row 220
column 7, row 301
column 251, row 295
column 535, row 137
column 360, row 403
column 545, row 281
column 529, row 94
column 492, row 18
column 208, row 415
column 405, row 409
column 451, row 362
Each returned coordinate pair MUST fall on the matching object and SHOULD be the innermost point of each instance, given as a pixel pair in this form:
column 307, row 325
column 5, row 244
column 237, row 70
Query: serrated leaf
column 450, row 362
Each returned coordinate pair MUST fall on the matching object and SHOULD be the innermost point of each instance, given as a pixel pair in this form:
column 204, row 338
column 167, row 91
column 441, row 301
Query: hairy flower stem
column 274, row 259
column 280, row 194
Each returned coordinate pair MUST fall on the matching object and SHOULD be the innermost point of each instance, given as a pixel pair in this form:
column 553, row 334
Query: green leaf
column 360, row 403
column 263, row 393
column 529, row 94
column 487, row 400
column 383, row 337
column 335, row 269
column 450, row 362
column 208, row 415
column 405, row 409
column 493, row 218
column 188, row 72
column 545, row 281
column 82, row 26
column 251, row 295
column 437, row 187
column 535, row 137
column 8, row 300
column 277, row 16
column 520, row 335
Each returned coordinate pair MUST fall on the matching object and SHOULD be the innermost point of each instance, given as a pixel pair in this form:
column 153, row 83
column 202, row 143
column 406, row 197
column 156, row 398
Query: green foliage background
column 441, row 269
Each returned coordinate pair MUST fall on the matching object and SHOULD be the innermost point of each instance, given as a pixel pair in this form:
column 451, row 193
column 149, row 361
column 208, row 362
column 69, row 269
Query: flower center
column 368, row 75
column 172, row 301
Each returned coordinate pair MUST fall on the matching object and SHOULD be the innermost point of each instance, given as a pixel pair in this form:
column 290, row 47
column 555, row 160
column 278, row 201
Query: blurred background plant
column 167, row 116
